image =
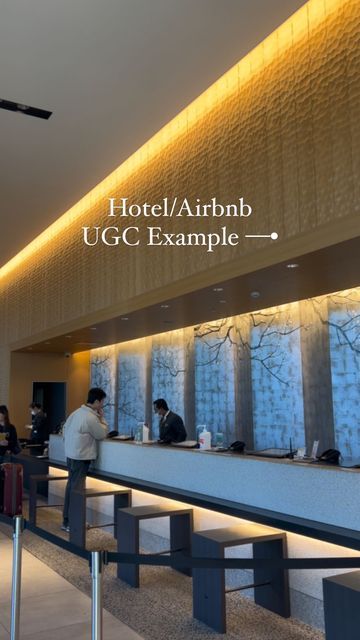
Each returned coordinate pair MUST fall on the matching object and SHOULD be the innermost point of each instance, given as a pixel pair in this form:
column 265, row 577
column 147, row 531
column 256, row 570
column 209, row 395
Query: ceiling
column 113, row 72
column 306, row 276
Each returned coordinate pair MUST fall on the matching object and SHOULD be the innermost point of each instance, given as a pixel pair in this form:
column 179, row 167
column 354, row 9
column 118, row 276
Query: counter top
column 227, row 453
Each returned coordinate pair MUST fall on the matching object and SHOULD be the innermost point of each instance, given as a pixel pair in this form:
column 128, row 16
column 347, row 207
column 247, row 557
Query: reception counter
column 313, row 500
column 316, row 505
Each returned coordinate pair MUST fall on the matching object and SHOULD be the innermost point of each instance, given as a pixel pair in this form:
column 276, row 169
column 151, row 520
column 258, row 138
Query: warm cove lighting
column 298, row 26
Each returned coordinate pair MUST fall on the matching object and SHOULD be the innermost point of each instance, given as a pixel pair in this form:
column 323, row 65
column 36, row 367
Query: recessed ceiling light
column 93, row 328
column 255, row 294
column 292, row 265
column 124, row 318
column 217, row 289
column 222, row 301
column 164, row 306
column 68, row 337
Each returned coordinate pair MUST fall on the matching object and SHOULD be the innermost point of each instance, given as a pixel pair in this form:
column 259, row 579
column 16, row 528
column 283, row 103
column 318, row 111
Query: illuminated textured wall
column 131, row 390
column 215, row 378
column 277, row 378
column 168, row 371
column 275, row 355
column 281, row 129
column 344, row 323
column 103, row 375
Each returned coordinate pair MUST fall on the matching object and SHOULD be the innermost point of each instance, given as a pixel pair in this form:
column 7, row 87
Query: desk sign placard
column 315, row 449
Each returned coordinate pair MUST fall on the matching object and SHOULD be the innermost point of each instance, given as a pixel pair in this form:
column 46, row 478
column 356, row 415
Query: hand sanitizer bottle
column 145, row 432
column 139, row 433
column 205, row 439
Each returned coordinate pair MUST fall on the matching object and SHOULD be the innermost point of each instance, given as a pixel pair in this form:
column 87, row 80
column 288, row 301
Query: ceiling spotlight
column 124, row 318
column 218, row 289
column 222, row 301
column 164, row 306
column 255, row 294
column 292, row 265
column 93, row 328
column 68, row 337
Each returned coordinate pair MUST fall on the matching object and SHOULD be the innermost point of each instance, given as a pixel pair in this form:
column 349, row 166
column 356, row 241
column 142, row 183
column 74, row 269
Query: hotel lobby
column 182, row 222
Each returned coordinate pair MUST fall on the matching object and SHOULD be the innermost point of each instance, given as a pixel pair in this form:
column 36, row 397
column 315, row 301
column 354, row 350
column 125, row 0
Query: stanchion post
column 96, row 593
column 16, row 578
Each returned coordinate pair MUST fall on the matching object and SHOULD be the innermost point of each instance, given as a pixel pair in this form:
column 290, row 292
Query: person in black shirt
column 8, row 435
column 171, row 426
column 40, row 430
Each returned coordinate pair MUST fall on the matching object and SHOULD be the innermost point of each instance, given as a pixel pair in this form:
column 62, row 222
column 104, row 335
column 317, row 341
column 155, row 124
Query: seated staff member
column 8, row 435
column 171, row 426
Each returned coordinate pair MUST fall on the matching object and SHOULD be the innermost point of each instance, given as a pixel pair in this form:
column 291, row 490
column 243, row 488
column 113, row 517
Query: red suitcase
column 11, row 489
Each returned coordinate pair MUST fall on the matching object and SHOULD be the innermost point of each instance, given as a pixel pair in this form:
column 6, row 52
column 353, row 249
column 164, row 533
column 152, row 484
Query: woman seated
column 8, row 435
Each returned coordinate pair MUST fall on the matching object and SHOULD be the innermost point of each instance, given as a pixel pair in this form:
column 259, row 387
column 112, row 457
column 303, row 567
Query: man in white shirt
column 82, row 429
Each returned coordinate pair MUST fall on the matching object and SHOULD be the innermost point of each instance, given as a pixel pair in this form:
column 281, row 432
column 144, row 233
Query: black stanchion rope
column 182, row 561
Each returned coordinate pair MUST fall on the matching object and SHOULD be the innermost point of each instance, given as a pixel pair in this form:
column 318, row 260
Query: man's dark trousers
column 77, row 475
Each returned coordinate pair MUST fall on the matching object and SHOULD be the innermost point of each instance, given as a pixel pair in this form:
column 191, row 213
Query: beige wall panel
column 78, row 380
column 4, row 374
column 26, row 369
column 48, row 367
column 287, row 140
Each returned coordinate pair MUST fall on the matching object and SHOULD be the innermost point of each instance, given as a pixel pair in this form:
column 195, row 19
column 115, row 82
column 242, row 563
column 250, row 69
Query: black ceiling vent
column 25, row 109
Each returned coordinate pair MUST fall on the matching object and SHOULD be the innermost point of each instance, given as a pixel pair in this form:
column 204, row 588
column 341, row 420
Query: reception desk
column 318, row 501
column 316, row 505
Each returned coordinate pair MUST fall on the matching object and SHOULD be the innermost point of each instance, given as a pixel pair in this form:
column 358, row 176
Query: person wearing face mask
column 8, row 435
column 171, row 426
column 39, row 427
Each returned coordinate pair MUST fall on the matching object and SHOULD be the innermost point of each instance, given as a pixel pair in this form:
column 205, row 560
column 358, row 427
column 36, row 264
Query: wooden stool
column 270, row 585
column 35, row 480
column 128, row 521
column 77, row 511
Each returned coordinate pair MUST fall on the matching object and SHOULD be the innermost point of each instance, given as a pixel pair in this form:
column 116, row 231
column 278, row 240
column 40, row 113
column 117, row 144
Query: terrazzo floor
column 51, row 607
column 162, row 607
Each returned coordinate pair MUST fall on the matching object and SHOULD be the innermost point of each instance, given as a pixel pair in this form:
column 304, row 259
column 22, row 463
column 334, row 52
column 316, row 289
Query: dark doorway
column 52, row 397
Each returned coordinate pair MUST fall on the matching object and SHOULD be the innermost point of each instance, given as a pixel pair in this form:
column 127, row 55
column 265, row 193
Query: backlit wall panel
column 131, row 389
column 277, row 378
column 344, row 330
column 274, row 351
